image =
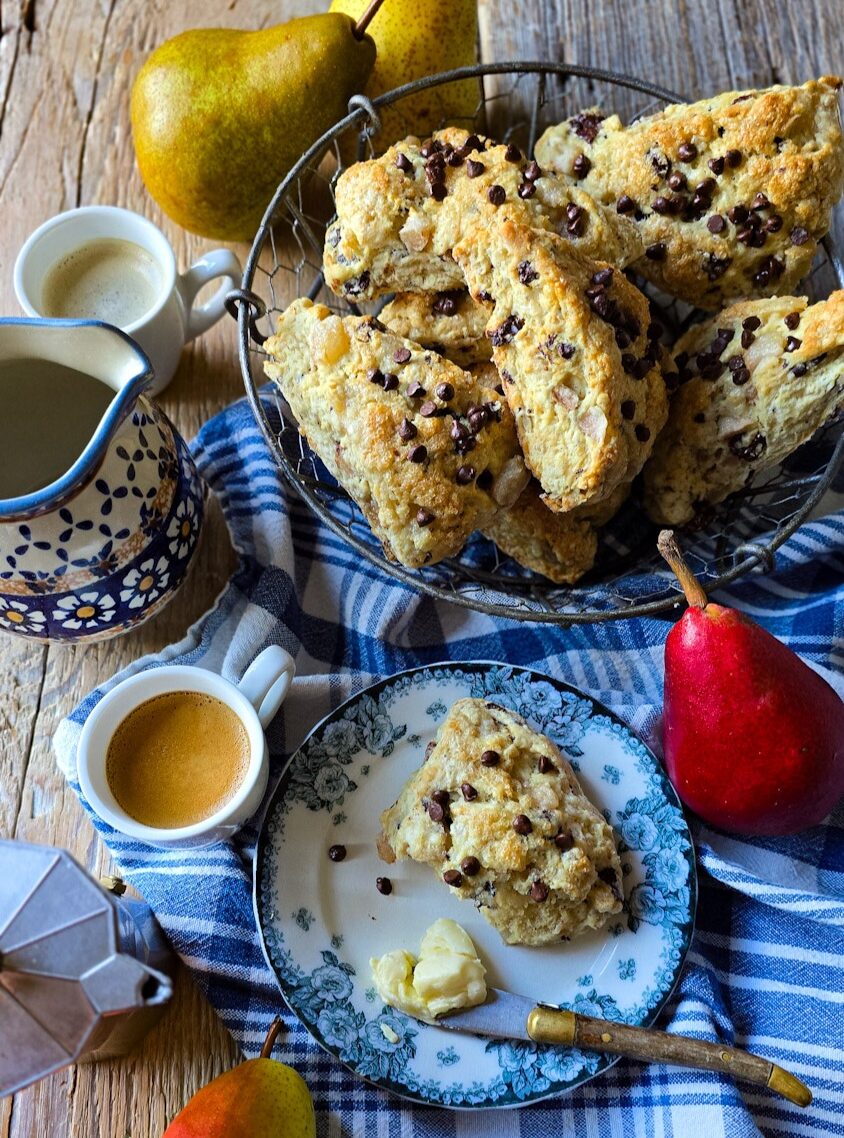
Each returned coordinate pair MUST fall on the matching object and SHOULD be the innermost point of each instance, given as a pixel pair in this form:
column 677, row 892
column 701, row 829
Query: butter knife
column 505, row 1015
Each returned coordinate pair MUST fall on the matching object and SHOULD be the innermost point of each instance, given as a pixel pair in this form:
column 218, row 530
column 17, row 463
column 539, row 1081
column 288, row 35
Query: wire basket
column 518, row 101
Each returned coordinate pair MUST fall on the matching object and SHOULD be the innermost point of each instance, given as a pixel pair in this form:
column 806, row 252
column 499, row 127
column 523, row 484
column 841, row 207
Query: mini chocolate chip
column 642, row 433
column 760, row 202
column 453, row 877
column 747, row 338
column 428, row 409
column 470, row 866
column 375, row 375
column 469, row 792
column 512, row 153
column 404, row 164
column 628, row 362
column 792, row 320
column 445, row 304
column 484, row 480
column 418, row 453
column 391, row 382
column 661, row 205
column 474, row 169
column 733, row 158
column 625, row 204
column 792, row 344
column 415, row 389
column 384, row 885
column 472, row 143
column 407, row 431
column 587, row 125
column 337, row 853
column 566, row 351
column 497, row 194
column 735, row 363
column 799, row 369
column 740, row 376
column 439, row 191
column 654, row 330
column 677, row 180
column 459, row 431
column 532, row 172
column 773, row 224
column 602, row 277
column 706, row 188
column 716, row 165
column 581, row 166
column 656, row 252
column 527, row 273
column 622, row 338
column 687, row 151
column 545, row 765
column 456, row 158
column 464, row 475
column 573, row 211
column 576, row 226
column 505, row 331
column 738, row 214
column 749, row 451
column 522, row 824
column 526, row 190
column 539, row 891
column 564, row 840
column 436, row 812
column 628, row 409
column 442, row 797
column 444, row 391
column 424, row 517
column 401, row 355
column 799, row 235
column 608, row 875
column 716, row 223
column 751, row 323
column 490, row 759
column 700, row 417
column 430, row 748
column 427, row 148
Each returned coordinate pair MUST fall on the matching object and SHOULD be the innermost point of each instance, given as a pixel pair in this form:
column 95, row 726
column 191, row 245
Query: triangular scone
column 756, row 381
column 399, row 216
column 498, row 814
column 451, row 323
column 427, row 452
column 574, row 345
column 730, row 194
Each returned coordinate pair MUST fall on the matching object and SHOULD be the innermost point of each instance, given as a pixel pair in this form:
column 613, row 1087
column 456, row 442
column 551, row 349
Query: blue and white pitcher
column 100, row 502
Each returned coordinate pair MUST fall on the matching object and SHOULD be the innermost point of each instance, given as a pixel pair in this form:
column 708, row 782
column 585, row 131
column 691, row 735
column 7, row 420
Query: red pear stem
column 272, row 1036
column 366, row 19
column 667, row 545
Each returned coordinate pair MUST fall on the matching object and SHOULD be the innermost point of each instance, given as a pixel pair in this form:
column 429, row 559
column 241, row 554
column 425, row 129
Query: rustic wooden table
column 66, row 67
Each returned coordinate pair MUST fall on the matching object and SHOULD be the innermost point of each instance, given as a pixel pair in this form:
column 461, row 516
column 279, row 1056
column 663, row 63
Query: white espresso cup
column 255, row 701
column 172, row 320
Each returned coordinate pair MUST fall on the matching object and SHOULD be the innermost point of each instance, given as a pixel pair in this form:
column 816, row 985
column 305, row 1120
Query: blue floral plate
column 321, row 921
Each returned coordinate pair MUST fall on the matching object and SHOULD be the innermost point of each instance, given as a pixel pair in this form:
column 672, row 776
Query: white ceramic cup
column 255, row 701
column 173, row 320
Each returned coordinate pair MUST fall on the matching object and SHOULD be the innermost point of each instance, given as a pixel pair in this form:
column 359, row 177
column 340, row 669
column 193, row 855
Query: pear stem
column 667, row 545
column 366, row 19
column 272, row 1035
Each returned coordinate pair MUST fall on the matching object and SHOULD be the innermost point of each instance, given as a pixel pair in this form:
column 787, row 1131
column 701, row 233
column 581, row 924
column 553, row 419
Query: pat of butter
column 447, row 975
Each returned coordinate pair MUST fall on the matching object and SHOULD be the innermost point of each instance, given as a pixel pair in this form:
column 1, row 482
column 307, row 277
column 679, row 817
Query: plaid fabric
column 766, row 965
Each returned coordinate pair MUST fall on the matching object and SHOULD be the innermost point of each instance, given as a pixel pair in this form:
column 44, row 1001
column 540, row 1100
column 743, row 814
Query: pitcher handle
column 217, row 263
column 267, row 681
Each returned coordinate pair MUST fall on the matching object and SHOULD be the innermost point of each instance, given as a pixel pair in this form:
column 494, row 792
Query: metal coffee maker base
column 84, row 974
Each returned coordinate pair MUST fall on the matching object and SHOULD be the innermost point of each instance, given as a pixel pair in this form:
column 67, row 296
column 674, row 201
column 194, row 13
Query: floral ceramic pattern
column 322, row 921
column 112, row 554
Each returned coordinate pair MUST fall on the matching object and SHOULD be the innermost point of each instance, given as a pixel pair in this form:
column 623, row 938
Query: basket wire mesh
column 517, row 102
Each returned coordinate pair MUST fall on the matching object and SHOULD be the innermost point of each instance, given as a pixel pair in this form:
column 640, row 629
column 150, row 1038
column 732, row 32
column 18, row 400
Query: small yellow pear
column 414, row 38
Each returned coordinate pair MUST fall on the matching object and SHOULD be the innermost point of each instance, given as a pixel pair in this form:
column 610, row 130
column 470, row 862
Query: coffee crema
column 177, row 759
column 106, row 279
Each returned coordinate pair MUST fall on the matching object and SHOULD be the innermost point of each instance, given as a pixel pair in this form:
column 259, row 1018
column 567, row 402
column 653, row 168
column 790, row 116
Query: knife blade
column 506, row 1015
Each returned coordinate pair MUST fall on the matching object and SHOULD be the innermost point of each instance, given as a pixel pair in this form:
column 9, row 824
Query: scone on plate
column 578, row 356
column 451, row 323
column 427, row 451
column 498, row 814
column 399, row 216
column 730, row 194
column 757, row 381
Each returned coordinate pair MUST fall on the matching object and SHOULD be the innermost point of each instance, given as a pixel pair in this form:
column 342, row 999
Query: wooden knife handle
column 556, row 1025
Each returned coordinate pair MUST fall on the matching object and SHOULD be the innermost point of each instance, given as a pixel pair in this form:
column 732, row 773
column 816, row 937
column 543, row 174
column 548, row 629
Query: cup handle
column 267, row 681
column 217, row 263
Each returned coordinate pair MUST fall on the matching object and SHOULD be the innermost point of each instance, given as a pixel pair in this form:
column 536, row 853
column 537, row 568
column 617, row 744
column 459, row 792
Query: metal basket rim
column 761, row 553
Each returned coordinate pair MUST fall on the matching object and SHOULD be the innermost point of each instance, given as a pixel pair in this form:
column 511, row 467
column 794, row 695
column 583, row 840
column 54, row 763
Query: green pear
column 260, row 1098
column 220, row 116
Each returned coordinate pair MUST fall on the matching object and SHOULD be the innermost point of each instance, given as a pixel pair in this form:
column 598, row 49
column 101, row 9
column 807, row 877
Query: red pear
column 753, row 738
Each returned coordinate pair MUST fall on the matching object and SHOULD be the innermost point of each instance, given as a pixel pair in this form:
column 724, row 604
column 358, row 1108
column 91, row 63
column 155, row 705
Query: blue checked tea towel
column 766, row 966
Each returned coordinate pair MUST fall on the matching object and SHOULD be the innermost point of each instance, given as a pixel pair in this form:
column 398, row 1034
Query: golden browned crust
column 570, row 341
column 392, row 235
column 451, row 323
column 757, row 381
column 703, row 165
column 561, row 547
column 546, row 881
column 426, row 451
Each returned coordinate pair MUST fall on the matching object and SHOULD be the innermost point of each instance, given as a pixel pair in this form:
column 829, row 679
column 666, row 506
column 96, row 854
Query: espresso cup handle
column 217, row 263
column 267, row 681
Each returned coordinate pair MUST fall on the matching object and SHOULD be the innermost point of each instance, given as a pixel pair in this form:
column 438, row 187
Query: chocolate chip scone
column 757, row 381
column 400, row 215
column 427, row 452
column 574, row 345
column 731, row 194
column 498, row 814
column 451, row 323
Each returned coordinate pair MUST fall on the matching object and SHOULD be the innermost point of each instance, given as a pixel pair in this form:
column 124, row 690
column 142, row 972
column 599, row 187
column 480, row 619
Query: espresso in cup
column 105, row 279
column 177, row 759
